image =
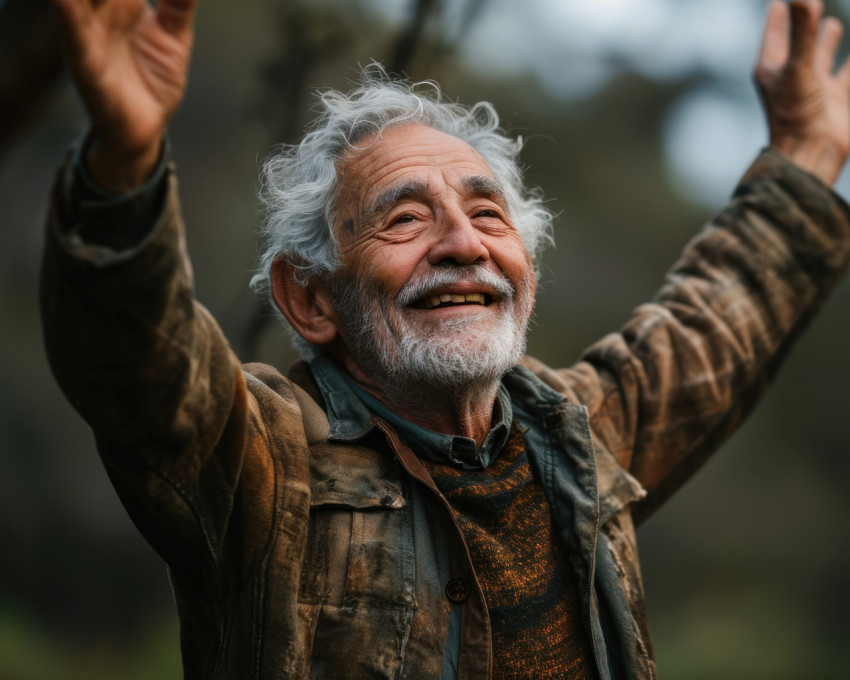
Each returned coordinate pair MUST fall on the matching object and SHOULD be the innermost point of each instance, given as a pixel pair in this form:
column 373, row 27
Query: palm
column 130, row 63
column 807, row 102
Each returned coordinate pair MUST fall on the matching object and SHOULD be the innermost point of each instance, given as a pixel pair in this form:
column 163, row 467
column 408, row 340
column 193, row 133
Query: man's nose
column 457, row 240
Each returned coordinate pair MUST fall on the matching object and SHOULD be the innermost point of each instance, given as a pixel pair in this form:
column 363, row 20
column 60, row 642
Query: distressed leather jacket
column 295, row 552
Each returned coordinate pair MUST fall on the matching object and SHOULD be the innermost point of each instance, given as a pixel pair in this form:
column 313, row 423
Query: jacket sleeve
column 152, row 374
column 687, row 368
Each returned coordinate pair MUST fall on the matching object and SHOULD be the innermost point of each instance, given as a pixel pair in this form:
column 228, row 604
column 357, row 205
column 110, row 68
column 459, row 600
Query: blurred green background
column 638, row 117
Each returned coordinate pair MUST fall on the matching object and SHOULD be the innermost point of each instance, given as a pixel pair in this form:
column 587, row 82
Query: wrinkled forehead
column 405, row 155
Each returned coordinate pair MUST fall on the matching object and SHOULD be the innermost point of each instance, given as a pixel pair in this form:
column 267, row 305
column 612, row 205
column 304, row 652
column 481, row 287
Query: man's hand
column 806, row 101
column 130, row 63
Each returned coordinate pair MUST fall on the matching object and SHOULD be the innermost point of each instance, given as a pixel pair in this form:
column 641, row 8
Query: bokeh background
column 638, row 116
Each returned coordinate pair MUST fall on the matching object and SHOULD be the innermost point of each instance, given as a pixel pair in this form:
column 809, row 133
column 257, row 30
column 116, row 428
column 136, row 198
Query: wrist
column 823, row 159
column 120, row 171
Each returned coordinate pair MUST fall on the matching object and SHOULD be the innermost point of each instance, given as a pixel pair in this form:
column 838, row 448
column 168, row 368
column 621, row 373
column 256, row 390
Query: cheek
column 516, row 264
column 513, row 259
column 357, row 259
column 385, row 266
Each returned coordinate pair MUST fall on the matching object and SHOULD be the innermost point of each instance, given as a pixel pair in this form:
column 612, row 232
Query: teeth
column 437, row 300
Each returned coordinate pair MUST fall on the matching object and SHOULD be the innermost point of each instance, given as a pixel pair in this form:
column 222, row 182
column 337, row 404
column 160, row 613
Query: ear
column 308, row 309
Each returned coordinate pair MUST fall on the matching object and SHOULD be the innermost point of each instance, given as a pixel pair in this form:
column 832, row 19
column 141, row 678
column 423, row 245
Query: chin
column 409, row 351
column 456, row 357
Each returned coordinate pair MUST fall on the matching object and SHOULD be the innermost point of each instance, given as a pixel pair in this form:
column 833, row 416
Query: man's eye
column 487, row 213
column 406, row 218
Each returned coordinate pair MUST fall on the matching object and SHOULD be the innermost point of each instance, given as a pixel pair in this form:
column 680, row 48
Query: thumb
column 775, row 41
column 176, row 17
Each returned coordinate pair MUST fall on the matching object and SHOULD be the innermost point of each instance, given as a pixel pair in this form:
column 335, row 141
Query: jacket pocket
column 358, row 554
column 357, row 578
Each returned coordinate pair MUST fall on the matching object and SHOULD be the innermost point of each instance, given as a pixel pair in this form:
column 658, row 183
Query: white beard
column 463, row 354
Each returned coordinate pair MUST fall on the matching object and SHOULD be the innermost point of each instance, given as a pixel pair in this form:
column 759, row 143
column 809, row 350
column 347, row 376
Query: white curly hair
column 299, row 183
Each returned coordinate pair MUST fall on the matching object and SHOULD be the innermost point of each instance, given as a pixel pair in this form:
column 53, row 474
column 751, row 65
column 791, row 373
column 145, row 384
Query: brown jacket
column 295, row 555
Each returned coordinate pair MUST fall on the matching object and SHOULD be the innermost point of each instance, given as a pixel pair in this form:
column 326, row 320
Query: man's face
column 436, row 286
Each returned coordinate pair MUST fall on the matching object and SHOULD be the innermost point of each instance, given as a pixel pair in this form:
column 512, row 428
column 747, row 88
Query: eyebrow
column 486, row 187
column 388, row 198
column 476, row 185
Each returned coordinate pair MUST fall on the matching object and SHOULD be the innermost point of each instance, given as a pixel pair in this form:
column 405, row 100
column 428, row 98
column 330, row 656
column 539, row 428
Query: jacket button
column 457, row 590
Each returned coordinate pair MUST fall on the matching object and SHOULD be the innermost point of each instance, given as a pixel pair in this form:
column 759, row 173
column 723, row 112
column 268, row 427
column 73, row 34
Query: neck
column 465, row 410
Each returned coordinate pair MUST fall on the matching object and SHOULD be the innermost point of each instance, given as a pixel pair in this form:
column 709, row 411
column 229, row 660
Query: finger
column 829, row 38
column 804, row 31
column 176, row 16
column 775, row 44
column 73, row 16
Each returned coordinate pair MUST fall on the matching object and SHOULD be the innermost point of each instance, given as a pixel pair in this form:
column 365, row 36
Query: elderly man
column 417, row 499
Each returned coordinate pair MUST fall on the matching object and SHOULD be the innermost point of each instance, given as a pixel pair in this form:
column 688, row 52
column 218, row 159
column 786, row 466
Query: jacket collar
column 614, row 487
column 352, row 413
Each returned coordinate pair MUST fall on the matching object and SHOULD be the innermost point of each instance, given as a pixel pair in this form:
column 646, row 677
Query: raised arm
column 687, row 368
column 130, row 63
column 143, row 363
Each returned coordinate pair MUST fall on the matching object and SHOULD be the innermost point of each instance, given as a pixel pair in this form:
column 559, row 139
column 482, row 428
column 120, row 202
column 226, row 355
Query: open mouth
column 451, row 300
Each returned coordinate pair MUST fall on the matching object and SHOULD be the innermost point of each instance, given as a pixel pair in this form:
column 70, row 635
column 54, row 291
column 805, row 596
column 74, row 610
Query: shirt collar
column 349, row 418
column 350, row 412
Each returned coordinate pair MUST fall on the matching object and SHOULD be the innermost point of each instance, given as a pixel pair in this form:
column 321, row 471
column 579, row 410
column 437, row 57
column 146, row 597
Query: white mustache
column 415, row 289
